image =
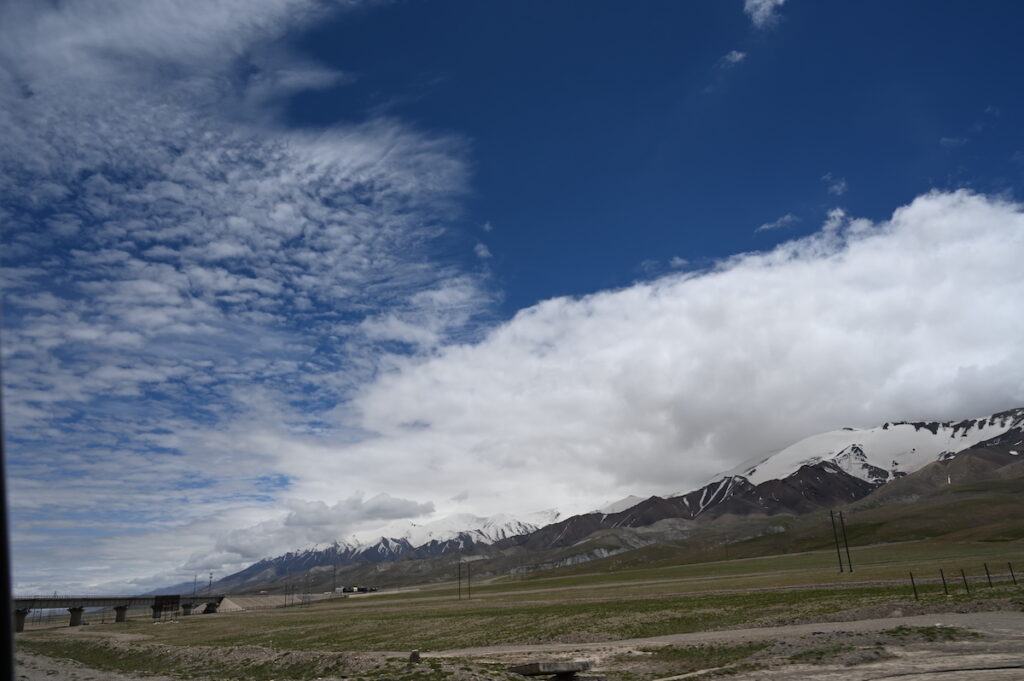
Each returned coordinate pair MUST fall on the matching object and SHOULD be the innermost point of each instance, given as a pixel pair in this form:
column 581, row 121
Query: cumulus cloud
column 482, row 251
column 778, row 223
column 763, row 13
column 660, row 385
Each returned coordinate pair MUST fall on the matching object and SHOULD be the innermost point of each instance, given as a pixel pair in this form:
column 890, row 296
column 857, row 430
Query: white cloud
column 482, row 251
column 763, row 13
column 676, row 262
column 732, row 59
column 308, row 522
column 659, row 385
column 190, row 280
column 778, row 223
column 836, row 185
column 228, row 317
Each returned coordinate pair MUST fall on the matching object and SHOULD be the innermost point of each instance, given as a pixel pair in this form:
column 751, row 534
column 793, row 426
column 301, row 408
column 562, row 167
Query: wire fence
column 958, row 581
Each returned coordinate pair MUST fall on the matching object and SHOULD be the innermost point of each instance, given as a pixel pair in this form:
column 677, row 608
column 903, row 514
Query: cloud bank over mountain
column 225, row 336
column 660, row 385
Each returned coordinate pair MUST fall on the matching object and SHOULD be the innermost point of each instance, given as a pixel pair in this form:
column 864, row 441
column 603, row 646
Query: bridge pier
column 19, row 618
column 76, row 615
column 186, row 608
column 120, row 613
column 158, row 610
column 210, row 608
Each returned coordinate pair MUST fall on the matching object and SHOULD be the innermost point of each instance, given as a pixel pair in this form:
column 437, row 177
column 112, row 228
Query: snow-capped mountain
column 398, row 541
column 478, row 529
column 822, row 471
column 620, row 505
column 877, row 455
column 868, row 457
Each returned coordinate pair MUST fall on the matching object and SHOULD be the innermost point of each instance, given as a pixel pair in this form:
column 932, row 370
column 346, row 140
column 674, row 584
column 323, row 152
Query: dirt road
column 1001, row 623
column 867, row 654
column 859, row 650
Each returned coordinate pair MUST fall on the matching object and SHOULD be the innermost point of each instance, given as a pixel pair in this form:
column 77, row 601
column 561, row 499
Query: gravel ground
column 856, row 650
column 40, row 668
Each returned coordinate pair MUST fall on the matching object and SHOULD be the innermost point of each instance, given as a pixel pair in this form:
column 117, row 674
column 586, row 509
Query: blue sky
column 281, row 271
column 606, row 135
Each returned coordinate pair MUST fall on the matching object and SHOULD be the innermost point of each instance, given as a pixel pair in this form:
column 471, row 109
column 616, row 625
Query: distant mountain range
column 823, row 471
column 401, row 541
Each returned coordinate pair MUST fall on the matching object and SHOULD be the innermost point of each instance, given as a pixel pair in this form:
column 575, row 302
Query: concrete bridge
column 76, row 605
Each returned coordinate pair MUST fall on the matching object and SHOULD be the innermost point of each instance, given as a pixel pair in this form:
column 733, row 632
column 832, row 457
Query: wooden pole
column 835, row 536
column 914, row 586
column 945, row 589
column 842, row 524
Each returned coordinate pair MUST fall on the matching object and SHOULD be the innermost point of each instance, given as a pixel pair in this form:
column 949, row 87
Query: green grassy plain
column 633, row 603
column 773, row 578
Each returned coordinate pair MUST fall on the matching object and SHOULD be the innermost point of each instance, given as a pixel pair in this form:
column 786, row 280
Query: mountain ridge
column 821, row 471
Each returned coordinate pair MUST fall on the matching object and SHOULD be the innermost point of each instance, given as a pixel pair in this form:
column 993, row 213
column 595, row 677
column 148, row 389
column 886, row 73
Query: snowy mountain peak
column 877, row 455
column 478, row 529
column 622, row 504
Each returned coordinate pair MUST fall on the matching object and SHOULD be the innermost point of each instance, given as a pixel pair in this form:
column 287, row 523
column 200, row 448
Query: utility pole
column 835, row 536
column 460, row 578
column 195, row 584
column 209, row 587
column 469, row 581
column 842, row 523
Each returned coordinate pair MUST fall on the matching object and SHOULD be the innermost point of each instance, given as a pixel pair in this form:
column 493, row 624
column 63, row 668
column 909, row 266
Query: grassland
column 606, row 606
column 653, row 591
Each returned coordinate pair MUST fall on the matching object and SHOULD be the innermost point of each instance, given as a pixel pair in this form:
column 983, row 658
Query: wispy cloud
column 731, row 59
column 836, row 185
column 763, row 13
column 778, row 223
column 186, row 278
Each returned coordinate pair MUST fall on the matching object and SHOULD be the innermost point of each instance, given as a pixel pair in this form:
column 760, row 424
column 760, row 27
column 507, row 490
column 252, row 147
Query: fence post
column 966, row 586
column 1012, row 576
column 913, row 586
column 945, row 589
column 988, row 575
